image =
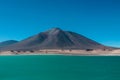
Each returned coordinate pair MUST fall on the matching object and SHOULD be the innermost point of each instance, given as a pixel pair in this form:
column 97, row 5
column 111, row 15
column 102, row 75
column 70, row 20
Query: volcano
column 55, row 38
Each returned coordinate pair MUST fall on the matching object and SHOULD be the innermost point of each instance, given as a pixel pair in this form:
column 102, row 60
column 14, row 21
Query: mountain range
column 7, row 43
column 54, row 38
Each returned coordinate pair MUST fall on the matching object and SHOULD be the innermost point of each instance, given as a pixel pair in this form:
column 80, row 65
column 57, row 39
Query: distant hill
column 55, row 39
column 7, row 43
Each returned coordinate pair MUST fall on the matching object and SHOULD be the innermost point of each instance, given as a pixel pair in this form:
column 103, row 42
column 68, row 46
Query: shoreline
column 57, row 54
column 64, row 52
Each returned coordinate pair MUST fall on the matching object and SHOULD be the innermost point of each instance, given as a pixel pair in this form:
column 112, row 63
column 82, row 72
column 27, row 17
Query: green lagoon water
column 58, row 67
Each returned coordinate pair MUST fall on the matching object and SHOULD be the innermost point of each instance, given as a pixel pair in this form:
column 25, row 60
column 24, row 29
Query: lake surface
column 58, row 67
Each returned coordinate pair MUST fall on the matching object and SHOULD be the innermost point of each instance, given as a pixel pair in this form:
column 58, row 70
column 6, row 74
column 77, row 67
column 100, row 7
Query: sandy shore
column 64, row 52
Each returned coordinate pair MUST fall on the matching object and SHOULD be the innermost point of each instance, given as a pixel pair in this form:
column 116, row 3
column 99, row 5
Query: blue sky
column 96, row 19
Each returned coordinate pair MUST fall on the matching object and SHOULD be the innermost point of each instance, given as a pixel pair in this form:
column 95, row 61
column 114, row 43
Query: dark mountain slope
column 6, row 43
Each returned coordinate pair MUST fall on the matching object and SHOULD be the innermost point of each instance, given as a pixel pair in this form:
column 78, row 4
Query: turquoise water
column 51, row 67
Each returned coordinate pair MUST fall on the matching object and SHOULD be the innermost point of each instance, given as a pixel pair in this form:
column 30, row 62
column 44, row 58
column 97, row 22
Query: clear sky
column 96, row 19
